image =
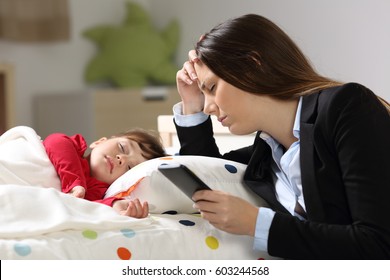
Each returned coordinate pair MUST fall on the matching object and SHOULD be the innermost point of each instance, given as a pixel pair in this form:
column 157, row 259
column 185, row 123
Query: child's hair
column 148, row 140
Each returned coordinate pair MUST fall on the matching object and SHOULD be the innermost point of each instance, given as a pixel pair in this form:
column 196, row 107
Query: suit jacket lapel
column 313, row 202
column 258, row 176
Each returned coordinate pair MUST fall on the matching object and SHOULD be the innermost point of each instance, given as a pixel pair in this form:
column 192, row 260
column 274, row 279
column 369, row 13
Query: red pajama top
column 67, row 156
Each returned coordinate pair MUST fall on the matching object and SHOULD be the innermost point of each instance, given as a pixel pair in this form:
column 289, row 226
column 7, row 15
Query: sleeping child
column 89, row 176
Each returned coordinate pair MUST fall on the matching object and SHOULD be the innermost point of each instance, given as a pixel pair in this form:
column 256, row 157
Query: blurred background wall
column 347, row 40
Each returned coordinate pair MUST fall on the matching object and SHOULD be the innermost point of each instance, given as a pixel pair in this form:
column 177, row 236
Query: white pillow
column 147, row 183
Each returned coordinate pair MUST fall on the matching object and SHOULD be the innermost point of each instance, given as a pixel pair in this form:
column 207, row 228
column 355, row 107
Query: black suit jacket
column 344, row 157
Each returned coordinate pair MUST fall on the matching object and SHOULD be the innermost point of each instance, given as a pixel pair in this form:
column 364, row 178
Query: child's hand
column 132, row 208
column 78, row 191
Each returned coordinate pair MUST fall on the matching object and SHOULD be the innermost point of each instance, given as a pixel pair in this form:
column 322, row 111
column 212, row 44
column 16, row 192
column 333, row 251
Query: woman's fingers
column 226, row 212
column 185, row 73
column 189, row 69
column 192, row 56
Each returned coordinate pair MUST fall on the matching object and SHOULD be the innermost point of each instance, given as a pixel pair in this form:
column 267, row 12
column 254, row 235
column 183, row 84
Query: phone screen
column 183, row 178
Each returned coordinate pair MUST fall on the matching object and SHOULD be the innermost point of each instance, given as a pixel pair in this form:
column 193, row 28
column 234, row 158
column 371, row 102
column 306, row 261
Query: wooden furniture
column 119, row 110
column 7, row 114
column 99, row 113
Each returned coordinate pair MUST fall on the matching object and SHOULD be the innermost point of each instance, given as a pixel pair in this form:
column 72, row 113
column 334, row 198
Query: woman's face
column 233, row 107
column 111, row 158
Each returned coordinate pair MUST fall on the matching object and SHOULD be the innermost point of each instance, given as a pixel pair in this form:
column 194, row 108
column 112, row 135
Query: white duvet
column 23, row 159
column 30, row 199
column 30, row 211
column 37, row 221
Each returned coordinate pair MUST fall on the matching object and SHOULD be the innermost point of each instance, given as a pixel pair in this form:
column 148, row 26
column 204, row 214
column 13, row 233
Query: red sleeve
column 96, row 189
column 66, row 154
column 108, row 201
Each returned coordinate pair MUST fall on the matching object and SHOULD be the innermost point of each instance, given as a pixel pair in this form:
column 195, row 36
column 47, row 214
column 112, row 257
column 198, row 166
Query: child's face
column 111, row 158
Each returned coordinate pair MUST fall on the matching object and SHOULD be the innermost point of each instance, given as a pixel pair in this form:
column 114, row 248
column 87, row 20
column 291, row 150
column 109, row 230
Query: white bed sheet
column 42, row 223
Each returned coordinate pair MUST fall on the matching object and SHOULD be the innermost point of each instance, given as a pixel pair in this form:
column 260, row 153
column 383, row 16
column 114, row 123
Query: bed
column 37, row 221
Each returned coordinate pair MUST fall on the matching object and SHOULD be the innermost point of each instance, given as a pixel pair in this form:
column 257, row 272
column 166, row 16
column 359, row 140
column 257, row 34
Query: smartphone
column 183, row 178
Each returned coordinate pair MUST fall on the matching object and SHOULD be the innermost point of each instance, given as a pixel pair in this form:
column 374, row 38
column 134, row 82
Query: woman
column 320, row 156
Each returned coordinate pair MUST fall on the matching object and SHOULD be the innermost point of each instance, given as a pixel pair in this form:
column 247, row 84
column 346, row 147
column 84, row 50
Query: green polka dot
column 212, row 242
column 90, row 234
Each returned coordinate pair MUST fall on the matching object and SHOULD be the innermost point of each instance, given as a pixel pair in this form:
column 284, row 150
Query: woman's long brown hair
column 254, row 54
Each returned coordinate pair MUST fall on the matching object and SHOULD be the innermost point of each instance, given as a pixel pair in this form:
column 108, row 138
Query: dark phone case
column 183, row 178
